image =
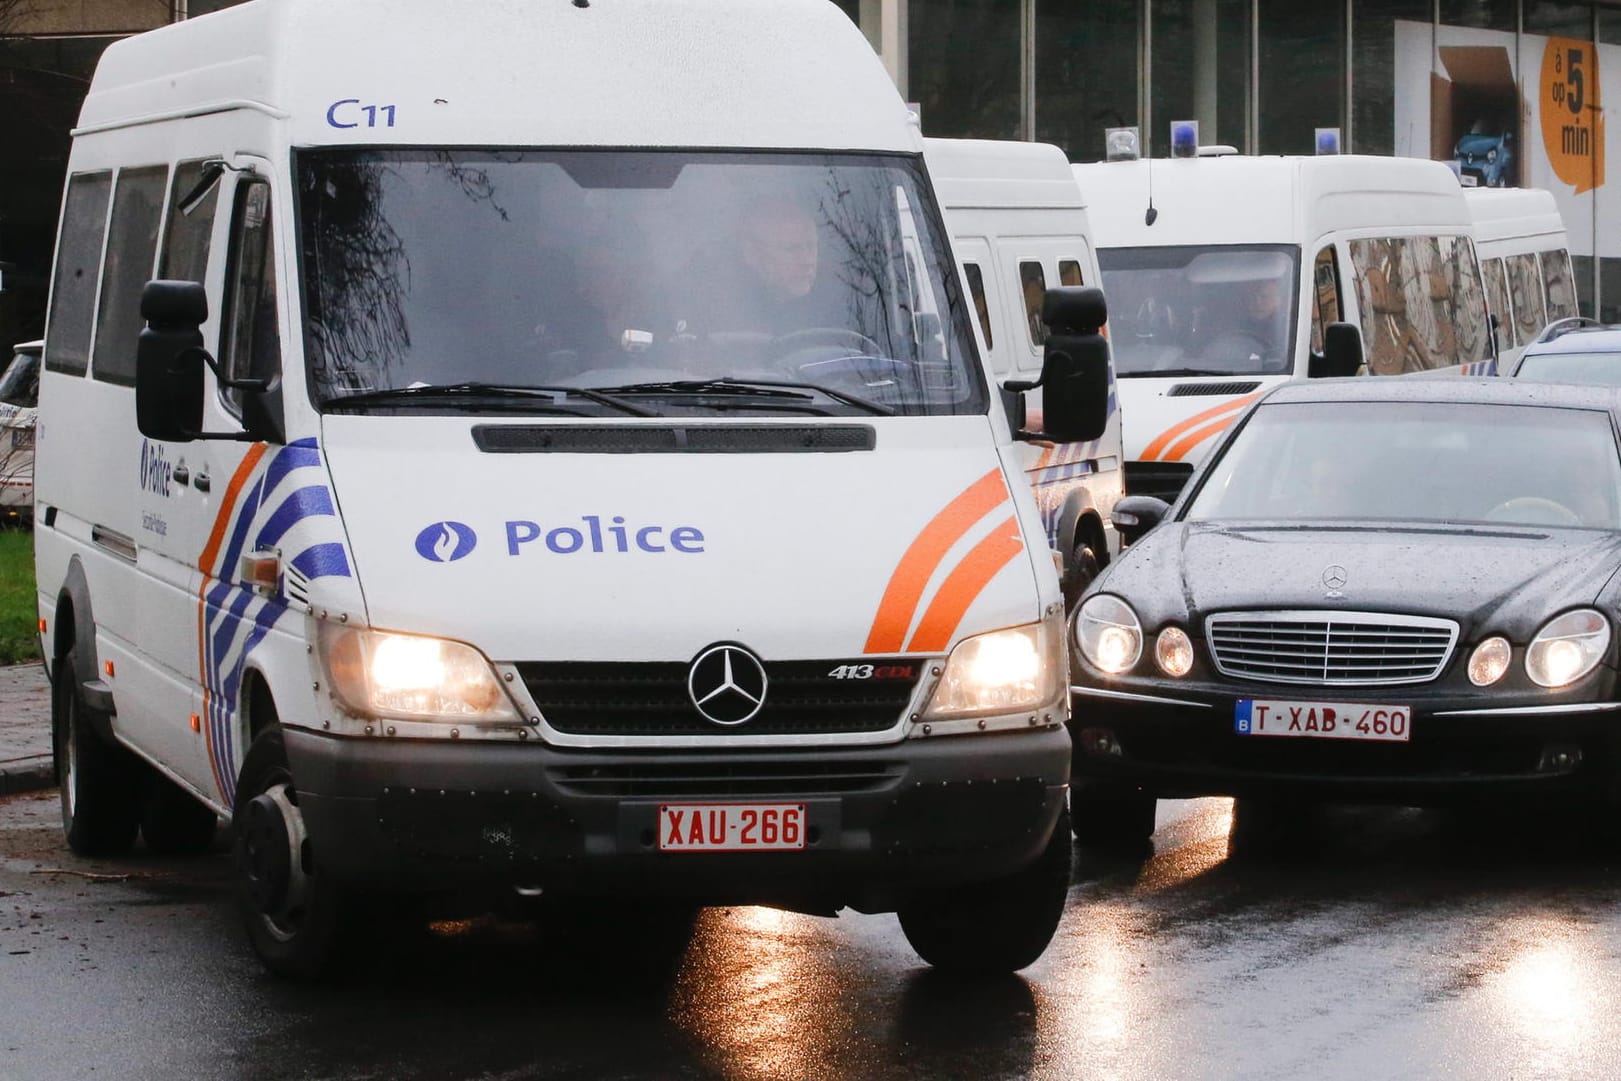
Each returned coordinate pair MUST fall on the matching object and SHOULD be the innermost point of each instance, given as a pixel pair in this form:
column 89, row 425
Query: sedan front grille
column 1343, row 648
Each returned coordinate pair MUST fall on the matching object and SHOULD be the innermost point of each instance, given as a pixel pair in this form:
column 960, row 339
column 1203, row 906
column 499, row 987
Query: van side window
column 1560, row 283
column 1069, row 272
column 1033, row 285
column 132, row 245
column 1525, row 286
column 1497, row 296
column 1325, row 296
column 982, row 307
column 1421, row 303
column 187, row 235
column 251, row 348
column 78, row 266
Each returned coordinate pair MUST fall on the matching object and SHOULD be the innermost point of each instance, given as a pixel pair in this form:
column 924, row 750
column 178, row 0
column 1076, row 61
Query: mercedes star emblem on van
column 727, row 684
column 1335, row 577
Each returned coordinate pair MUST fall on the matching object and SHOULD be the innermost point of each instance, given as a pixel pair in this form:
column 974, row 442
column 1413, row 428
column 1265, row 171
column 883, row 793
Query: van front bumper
column 881, row 821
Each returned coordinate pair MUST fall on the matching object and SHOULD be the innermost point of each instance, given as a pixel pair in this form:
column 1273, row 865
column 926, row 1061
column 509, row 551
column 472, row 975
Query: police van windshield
column 1194, row 310
column 753, row 283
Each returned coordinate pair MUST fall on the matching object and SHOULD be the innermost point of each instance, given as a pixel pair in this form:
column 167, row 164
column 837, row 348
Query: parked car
column 1576, row 350
column 1411, row 617
column 1484, row 158
column 19, row 396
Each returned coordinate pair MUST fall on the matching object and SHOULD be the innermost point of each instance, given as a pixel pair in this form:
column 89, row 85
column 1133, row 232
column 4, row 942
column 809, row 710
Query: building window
column 1086, row 72
column 963, row 66
column 1302, row 73
column 1373, row 72
column 1484, row 14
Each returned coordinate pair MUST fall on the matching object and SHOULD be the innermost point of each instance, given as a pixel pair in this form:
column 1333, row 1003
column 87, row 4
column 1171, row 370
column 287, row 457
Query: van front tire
column 99, row 782
column 296, row 917
column 986, row 929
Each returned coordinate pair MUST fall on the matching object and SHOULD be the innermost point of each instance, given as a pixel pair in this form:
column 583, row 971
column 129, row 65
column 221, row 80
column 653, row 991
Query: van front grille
column 650, row 699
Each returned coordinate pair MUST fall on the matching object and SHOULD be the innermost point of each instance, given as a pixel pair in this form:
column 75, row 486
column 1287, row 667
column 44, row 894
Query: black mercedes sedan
column 1375, row 590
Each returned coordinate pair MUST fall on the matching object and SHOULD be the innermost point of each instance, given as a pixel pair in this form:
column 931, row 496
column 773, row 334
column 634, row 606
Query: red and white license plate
column 731, row 827
column 1324, row 720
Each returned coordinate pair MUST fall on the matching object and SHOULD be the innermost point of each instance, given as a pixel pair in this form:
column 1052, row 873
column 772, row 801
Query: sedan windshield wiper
column 1177, row 373
column 474, row 391
column 774, row 389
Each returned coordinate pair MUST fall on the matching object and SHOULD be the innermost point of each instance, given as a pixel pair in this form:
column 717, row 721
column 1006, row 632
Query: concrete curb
column 27, row 775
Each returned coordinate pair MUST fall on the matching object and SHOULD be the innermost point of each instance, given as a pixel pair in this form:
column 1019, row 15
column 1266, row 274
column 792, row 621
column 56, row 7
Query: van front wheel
column 99, row 782
column 997, row 927
column 294, row 914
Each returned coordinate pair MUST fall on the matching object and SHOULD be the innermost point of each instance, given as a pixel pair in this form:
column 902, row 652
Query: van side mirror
column 1137, row 514
column 169, row 358
column 1342, row 353
column 1075, row 366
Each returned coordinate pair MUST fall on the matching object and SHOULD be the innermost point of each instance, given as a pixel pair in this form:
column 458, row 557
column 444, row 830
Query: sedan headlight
column 1491, row 155
column 1567, row 648
column 1009, row 671
column 411, row 677
column 1489, row 662
column 1108, row 634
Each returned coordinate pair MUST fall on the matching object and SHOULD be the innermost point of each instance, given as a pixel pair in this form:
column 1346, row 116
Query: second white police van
column 1019, row 225
column 484, row 502
column 1230, row 274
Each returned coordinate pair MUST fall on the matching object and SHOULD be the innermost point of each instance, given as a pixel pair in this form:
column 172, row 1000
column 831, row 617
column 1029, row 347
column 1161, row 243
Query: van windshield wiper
column 473, row 391
column 1179, row 373
column 771, row 389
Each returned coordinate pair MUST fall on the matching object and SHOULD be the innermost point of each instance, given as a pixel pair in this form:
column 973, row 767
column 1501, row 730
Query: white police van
column 454, row 496
column 1019, row 224
column 1229, row 274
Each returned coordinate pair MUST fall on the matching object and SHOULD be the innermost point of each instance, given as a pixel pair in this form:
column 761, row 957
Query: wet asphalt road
column 1377, row 943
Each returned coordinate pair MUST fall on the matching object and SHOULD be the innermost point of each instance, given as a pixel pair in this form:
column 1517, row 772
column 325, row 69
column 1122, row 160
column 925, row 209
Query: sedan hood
column 1511, row 578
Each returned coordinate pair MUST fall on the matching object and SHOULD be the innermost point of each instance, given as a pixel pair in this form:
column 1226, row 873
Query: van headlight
column 410, row 676
column 1011, row 671
column 1108, row 634
column 1567, row 648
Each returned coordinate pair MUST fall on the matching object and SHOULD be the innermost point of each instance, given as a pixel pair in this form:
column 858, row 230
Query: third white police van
column 1228, row 274
column 1019, row 225
column 487, row 503
column 1525, row 257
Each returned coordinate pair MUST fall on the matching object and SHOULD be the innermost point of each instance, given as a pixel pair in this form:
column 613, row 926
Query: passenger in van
column 1255, row 328
column 778, row 264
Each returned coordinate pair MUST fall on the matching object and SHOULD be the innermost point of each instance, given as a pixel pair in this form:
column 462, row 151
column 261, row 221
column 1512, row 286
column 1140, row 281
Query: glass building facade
column 1410, row 77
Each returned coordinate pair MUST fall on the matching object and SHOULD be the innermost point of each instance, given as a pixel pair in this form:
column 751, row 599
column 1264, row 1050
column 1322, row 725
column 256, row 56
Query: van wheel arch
column 75, row 633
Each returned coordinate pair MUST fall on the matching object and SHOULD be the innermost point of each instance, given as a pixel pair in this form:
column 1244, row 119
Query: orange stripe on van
column 205, row 563
column 1166, row 437
column 925, row 555
column 1181, row 447
column 964, row 585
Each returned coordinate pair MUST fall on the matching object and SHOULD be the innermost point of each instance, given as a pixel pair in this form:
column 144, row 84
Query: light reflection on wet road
column 1376, row 943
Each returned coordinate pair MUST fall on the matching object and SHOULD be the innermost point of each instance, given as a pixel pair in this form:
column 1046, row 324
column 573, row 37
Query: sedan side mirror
column 1137, row 514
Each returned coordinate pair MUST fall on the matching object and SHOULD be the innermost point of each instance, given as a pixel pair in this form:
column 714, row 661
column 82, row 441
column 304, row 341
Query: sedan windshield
column 1601, row 369
column 664, row 282
column 1178, row 311
column 1417, row 462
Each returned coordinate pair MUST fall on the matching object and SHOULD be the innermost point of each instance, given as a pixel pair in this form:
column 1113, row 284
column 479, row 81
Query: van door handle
column 200, row 482
column 181, row 475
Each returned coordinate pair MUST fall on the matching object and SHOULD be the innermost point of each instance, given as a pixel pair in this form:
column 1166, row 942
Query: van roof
column 993, row 173
column 629, row 73
column 1236, row 199
column 1505, row 213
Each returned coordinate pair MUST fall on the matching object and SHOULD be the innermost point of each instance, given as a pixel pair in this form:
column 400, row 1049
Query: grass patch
column 19, row 615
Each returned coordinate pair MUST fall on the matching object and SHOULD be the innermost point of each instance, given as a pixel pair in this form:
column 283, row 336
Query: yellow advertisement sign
column 1572, row 119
